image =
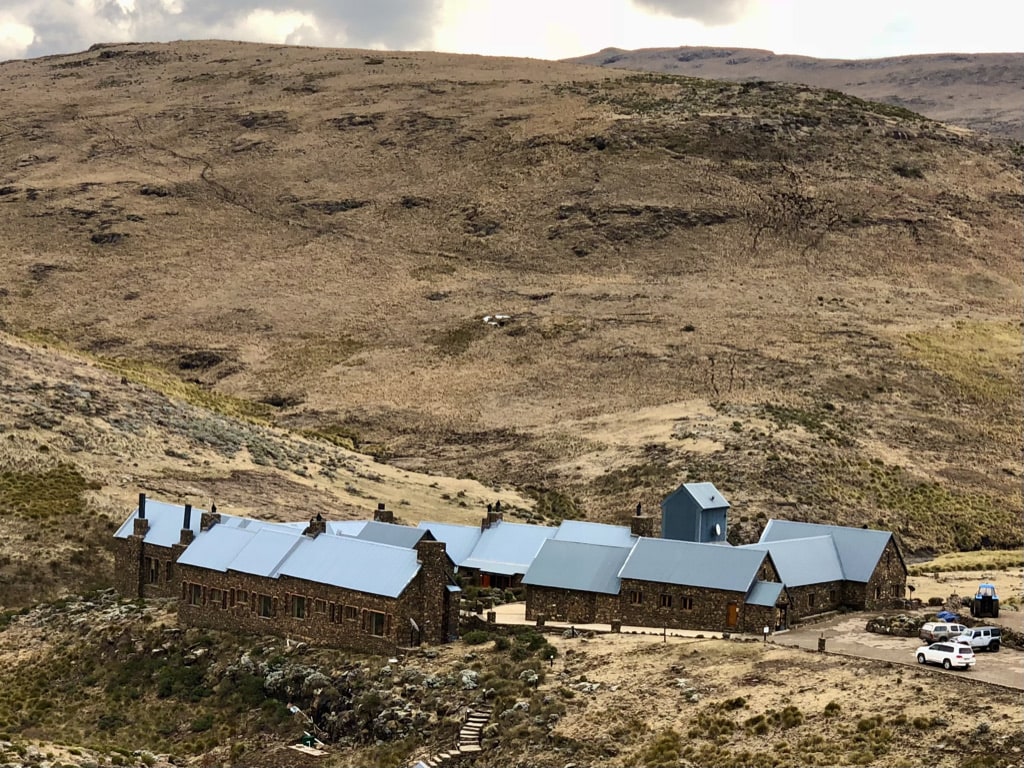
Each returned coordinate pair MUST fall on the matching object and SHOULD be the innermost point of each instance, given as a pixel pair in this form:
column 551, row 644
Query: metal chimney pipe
column 188, row 517
column 142, row 506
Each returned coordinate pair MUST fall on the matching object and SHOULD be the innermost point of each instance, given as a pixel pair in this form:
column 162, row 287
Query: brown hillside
column 811, row 300
column 981, row 91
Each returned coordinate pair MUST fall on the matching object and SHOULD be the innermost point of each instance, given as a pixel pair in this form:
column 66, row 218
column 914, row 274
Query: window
column 374, row 623
column 896, row 591
column 686, row 603
column 217, row 598
column 168, row 570
column 241, row 597
column 832, row 596
column 351, row 612
column 298, row 603
column 666, row 601
column 321, row 606
column 636, row 597
column 810, row 600
column 878, row 593
column 266, row 606
column 151, row 567
column 195, row 594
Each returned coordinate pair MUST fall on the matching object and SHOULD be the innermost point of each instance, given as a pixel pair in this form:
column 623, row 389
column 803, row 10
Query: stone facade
column 425, row 612
column 572, row 606
column 887, row 587
column 811, row 599
column 675, row 606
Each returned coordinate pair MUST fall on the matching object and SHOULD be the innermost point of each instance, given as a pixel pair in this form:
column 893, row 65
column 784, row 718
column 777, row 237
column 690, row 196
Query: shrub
column 907, row 171
column 832, row 709
column 475, row 637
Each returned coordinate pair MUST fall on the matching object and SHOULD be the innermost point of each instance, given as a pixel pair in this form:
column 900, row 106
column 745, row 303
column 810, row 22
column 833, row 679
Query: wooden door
column 732, row 615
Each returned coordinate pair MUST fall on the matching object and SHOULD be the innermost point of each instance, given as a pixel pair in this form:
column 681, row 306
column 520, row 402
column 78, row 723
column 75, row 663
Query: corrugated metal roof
column 859, row 548
column 669, row 561
column 459, row 540
column 164, row 523
column 764, row 593
column 577, row 565
column 390, row 533
column 216, row 548
column 595, row 533
column 345, row 527
column 508, row 548
column 706, row 495
column 813, row 560
column 267, row 550
column 351, row 563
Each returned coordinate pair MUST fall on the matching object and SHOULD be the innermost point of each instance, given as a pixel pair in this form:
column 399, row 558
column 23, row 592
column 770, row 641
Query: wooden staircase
column 468, row 739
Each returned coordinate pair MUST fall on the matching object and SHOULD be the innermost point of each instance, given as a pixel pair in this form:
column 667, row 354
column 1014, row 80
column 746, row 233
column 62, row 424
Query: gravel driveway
column 846, row 635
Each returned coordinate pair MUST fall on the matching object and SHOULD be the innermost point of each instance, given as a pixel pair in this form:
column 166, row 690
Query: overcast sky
column 547, row 29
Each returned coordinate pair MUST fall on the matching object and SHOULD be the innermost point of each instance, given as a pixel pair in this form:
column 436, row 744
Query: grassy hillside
column 809, row 299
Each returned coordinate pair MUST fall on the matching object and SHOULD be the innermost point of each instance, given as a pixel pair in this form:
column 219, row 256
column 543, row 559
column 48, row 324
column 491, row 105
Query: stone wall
column 571, row 606
column 325, row 615
column 649, row 604
column 144, row 570
column 810, row 599
column 887, row 587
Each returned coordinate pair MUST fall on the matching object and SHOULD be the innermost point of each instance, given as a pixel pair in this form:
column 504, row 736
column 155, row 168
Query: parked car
column 934, row 631
column 987, row 638
column 949, row 655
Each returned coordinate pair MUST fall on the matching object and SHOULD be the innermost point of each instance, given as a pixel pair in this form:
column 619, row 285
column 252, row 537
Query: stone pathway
column 467, row 741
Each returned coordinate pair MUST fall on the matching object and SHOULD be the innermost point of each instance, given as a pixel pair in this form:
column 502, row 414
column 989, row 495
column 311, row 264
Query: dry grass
column 295, row 236
column 972, row 90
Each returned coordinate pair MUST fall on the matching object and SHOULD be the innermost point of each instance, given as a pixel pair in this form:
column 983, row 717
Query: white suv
column 949, row 655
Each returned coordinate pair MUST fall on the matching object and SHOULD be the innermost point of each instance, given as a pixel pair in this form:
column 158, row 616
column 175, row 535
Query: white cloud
column 15, row 38
column 539, row 28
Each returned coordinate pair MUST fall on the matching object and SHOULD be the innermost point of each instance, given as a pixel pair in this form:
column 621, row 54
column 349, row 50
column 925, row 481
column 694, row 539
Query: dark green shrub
column 475, row 637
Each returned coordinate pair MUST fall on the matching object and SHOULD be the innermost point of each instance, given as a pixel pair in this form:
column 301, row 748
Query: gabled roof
column 508, row 548
column 390, row 533
column 595, row 533
column 800, row 562
column 577, row 565
column 216, row 548
column 669, row 561
column 705, row 494
column 859, row 549
column 764, row 593
column 165, row 523
column 264, row 554
column 351, row 563
column 459, row 540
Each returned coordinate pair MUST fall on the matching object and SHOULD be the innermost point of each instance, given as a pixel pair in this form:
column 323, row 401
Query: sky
column 545, row 29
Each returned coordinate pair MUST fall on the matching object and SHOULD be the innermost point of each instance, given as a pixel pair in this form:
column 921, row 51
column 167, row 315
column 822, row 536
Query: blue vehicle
column 985, row 602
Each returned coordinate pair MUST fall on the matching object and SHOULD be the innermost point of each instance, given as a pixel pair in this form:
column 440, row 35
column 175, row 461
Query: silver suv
column 934, row 631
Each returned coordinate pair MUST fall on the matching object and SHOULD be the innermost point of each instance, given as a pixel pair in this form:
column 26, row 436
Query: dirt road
column 846, row 635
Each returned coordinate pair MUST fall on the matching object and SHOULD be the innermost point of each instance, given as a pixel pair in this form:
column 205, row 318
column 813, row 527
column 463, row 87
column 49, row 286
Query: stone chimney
column 641, row 524
column 187, row 534
column 141, row 524
column 317, row 525
column 383, row 515
column 209, row 519
column 494, row 516
column 439, row 618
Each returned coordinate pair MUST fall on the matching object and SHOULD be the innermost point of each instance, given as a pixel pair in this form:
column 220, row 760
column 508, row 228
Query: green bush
column 476, row 637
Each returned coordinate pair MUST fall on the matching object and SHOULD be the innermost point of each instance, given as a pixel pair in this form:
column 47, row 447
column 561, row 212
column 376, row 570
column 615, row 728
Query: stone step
column 470, row 748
